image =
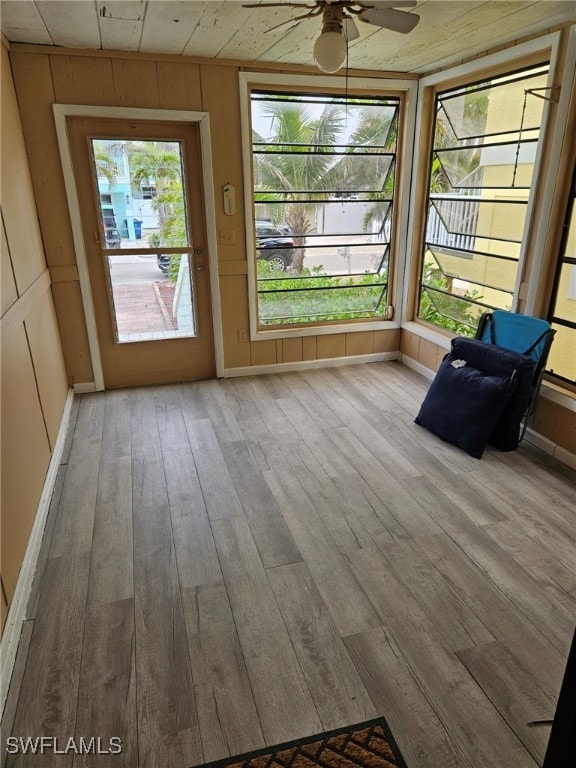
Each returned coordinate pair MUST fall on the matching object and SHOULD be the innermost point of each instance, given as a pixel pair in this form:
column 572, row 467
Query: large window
column 323, row 183
column 562, row 359
column 482, row 168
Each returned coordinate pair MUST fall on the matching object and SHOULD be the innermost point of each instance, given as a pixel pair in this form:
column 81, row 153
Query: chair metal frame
column 531, row 336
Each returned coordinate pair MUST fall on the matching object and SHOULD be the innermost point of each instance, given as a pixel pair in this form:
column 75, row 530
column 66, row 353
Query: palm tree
column 156, row 163
column 305, row 167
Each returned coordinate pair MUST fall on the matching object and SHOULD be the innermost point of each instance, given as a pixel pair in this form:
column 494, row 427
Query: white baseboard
column 17, row 612
column 84, row 387
column 546, row 445
column 306, row 365
column 428, row 373
column 532, row 437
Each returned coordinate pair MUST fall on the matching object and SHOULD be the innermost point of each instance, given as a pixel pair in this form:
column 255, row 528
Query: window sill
column 324, row 330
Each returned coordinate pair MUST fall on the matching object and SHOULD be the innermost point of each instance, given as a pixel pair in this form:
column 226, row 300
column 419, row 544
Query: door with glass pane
column 140, row 194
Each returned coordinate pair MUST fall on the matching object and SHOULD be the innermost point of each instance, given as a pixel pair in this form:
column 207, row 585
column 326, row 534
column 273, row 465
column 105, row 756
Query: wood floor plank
column 283, row 700
column 533, row 556
column 549, row 616
column 447, row 684
column 220, row 496
column 401, row 515
column 338, row 692
column 422, row 738
column 171, row 427
column 193, row 541
column 168, row 731
column 117, row 424
column 107, row 690
column 452, row 617
column 53, row 511
column 111, row 569
column 229, row 722
column 505, row 622
column 378, row 445
column 48, row 696
column 437, row 587
column 269, row 530
column 13, row 695
column 348, row 605
column 513, row 692
column 75, row 521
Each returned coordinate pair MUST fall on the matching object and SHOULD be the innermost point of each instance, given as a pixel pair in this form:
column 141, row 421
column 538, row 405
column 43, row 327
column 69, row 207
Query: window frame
column 406, row 91
column 538, row 51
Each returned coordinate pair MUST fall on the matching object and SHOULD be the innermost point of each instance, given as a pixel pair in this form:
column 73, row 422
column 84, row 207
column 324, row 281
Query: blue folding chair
column 530, row 336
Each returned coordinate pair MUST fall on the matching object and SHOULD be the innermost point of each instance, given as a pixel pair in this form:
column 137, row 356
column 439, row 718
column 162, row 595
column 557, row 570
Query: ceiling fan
column 338, row 27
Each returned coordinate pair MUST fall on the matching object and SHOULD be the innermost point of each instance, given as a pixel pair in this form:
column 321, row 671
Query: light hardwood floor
column 229, row 564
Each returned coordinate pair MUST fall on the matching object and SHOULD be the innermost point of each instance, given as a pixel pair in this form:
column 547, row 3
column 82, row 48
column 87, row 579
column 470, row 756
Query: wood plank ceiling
column 449, row 30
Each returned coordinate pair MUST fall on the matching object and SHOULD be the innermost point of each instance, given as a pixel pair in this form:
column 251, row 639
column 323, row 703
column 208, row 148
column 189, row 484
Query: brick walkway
column 144, row 307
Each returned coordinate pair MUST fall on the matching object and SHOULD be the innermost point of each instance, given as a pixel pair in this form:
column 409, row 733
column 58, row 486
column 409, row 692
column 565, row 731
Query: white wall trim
column 61, row 112
column 502, row 58
column 559, row 139
column 409, row 362
column 17, row 613
column 84, row 387
column 374, row 86
column 306, row 365
column 532, row 437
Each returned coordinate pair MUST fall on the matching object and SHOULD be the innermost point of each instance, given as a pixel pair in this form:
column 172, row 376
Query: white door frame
column 202, row 119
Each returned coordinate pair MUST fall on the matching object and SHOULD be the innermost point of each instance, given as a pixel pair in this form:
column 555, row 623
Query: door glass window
column 151, row 288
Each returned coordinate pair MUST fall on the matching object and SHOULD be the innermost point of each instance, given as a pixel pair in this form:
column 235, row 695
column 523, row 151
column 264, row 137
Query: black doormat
column 366, row 745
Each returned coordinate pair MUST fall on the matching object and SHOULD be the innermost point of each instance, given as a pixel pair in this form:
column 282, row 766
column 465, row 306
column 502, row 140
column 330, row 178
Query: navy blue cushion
column 464, row 404
column 498, row 361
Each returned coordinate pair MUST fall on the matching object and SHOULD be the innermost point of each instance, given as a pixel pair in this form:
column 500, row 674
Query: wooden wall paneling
column 48, row 361
column 9, row 294
column 279, row 351
column 410, row 344
column 309, row 348
column 82, row 80
column 25, row 453
column 18, row 204
column 34, row 89
column 3, row 609
column 556, row 423
column 135, row 83
column 179, row 85
column 234, row 302
column 360, row 343
column 292, row 349
column 263, row 352
column 440, row 353
column 428, row 354
column 331, row 345
column 220, row 98
column 387, row 341
column 73, row 333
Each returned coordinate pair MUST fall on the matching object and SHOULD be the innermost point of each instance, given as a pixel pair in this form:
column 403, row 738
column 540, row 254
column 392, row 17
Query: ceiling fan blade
column 277, row 5
column 388, row 3
column 308, row 15
column 397, row 21
column 350, row 30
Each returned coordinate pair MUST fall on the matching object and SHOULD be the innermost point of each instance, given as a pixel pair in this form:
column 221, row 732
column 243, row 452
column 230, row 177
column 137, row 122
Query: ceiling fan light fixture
column 330, row 51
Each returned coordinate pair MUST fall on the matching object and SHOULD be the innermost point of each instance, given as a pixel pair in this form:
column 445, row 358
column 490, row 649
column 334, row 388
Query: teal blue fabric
column 516, row 332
